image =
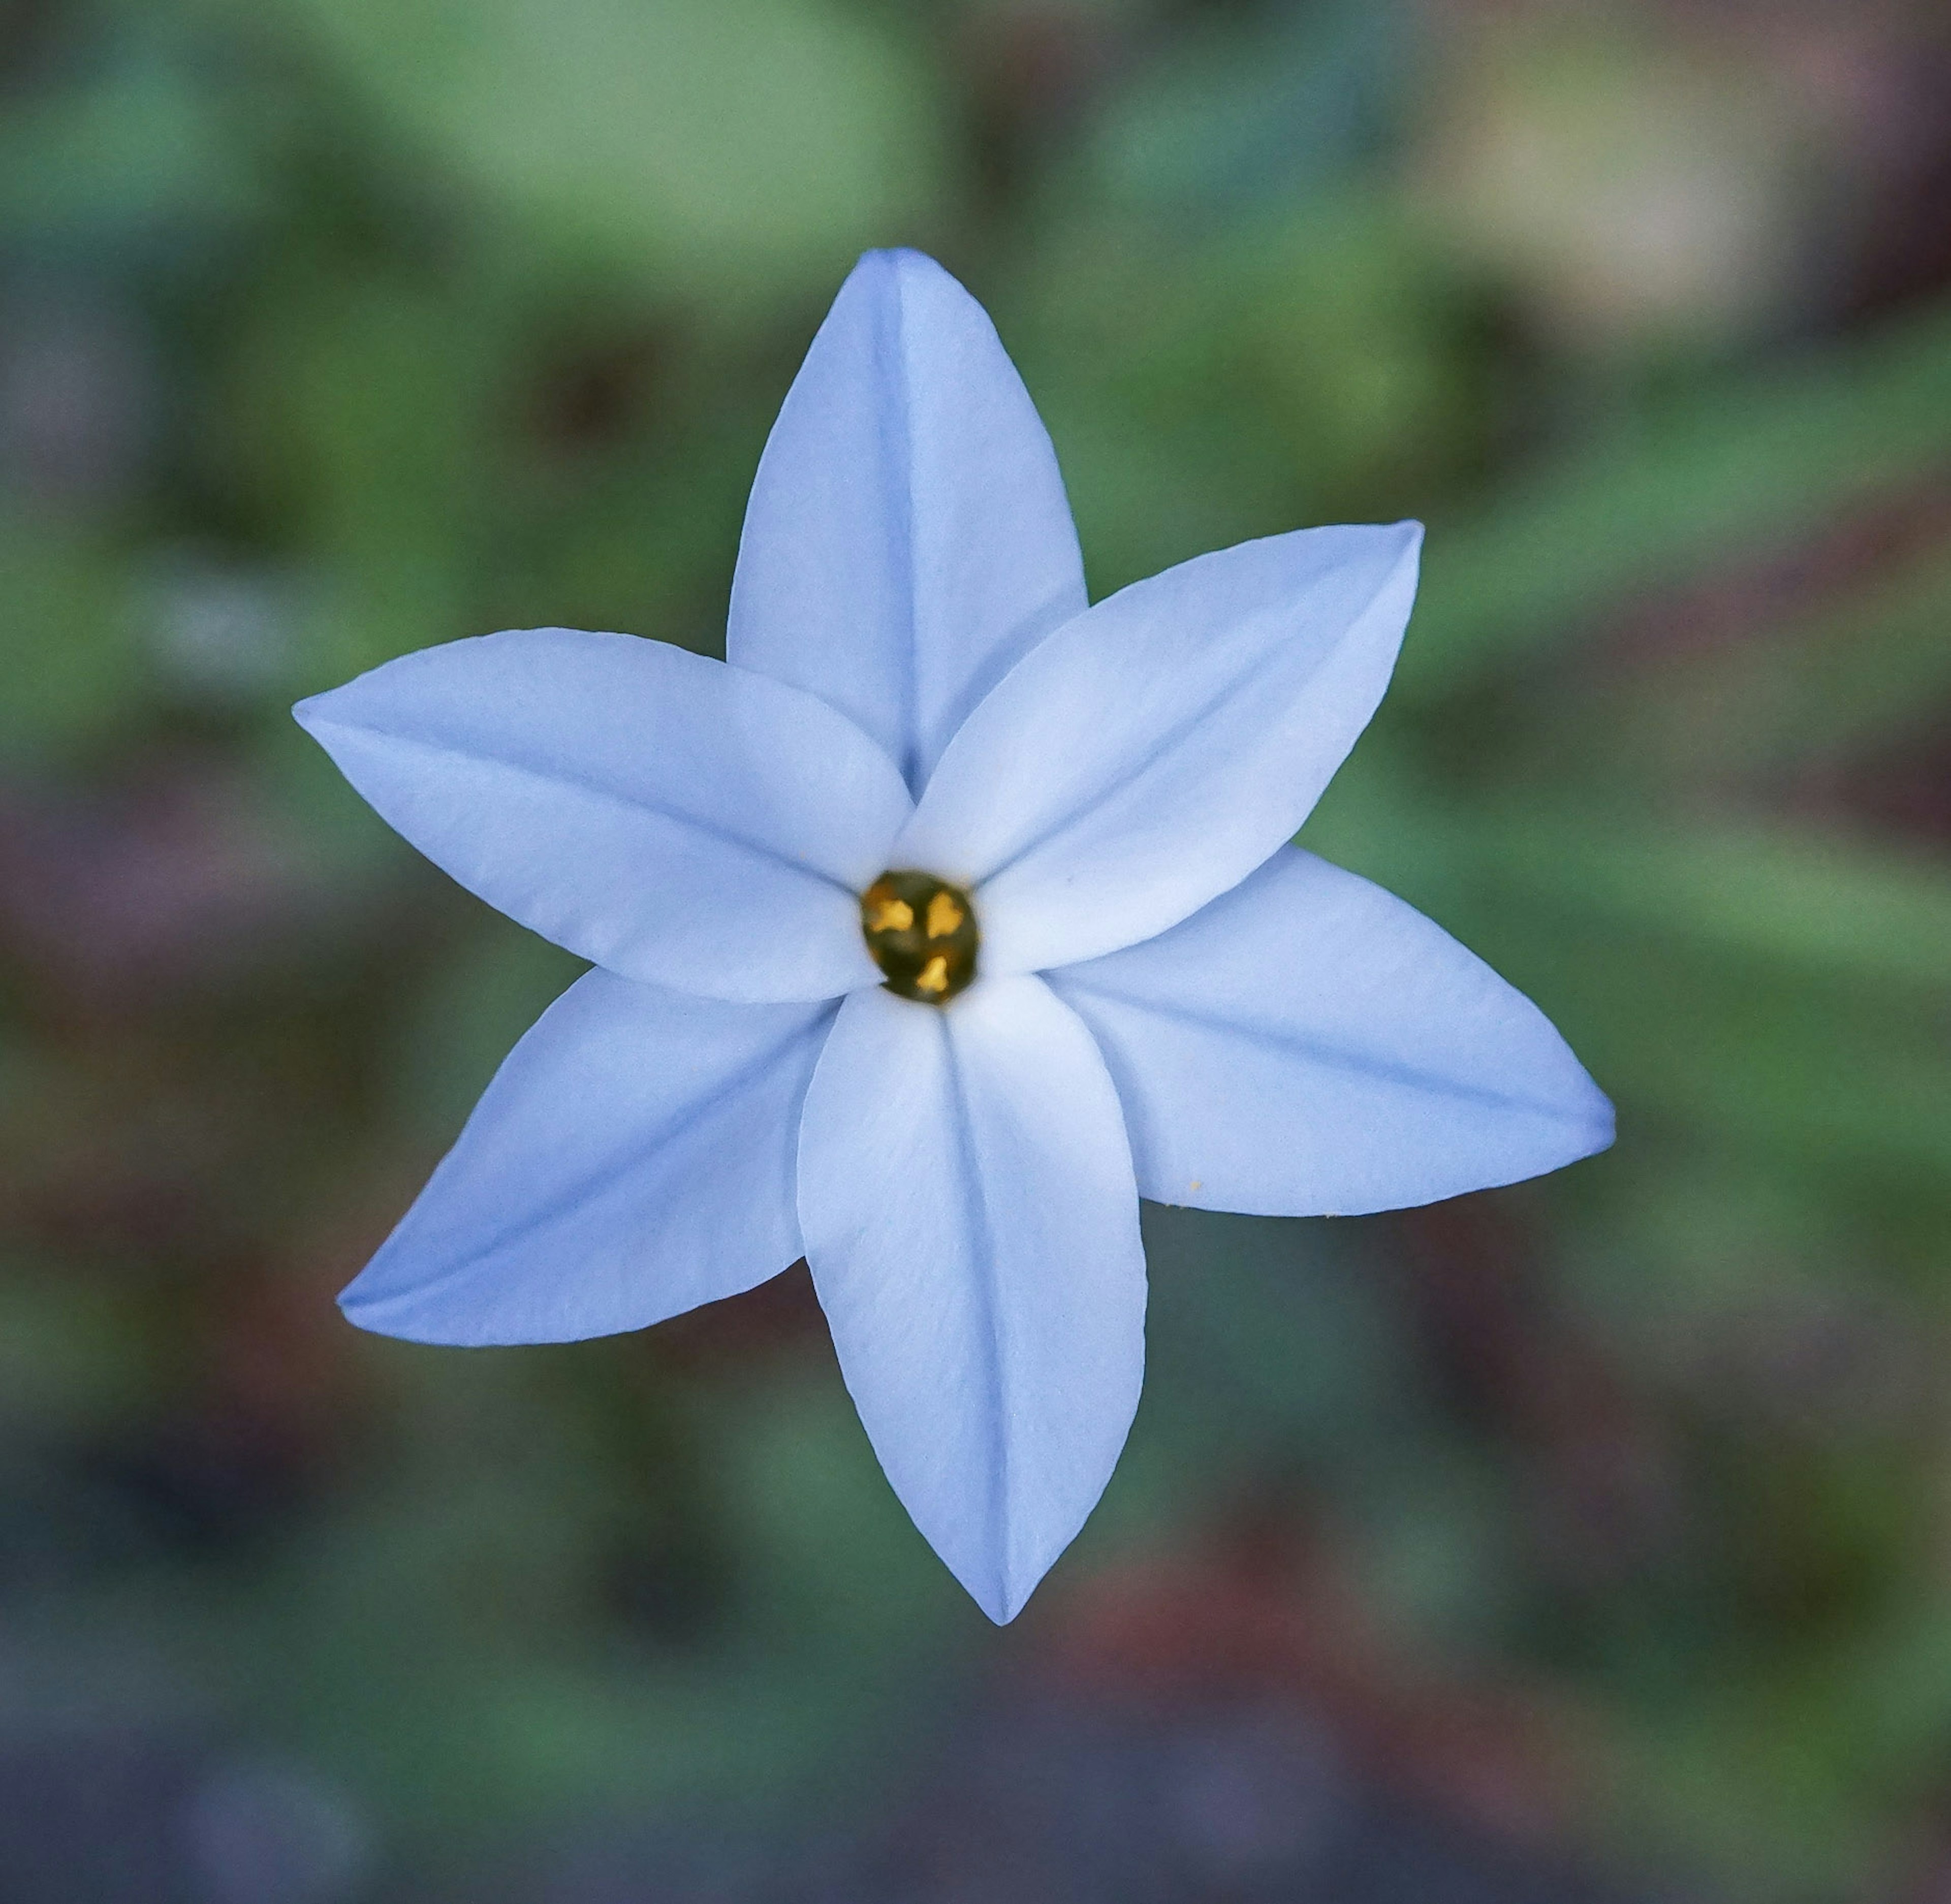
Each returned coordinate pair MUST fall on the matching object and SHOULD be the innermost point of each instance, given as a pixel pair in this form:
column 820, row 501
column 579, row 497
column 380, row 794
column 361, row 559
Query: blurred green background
column 1591, row 1537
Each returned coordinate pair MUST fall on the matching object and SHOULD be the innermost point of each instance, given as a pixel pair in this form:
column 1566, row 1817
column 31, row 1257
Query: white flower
column 1099, row 971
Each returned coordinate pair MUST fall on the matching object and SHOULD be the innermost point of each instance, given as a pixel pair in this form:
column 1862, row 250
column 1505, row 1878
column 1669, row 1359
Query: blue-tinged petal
column 633, row 1157
column 907, row 539
column 1309, row 1045
column 966, row 1201
column 1151, row 753
column 668, row 817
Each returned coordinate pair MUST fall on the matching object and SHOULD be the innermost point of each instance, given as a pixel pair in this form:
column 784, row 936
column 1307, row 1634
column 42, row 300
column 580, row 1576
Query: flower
column 945, row 919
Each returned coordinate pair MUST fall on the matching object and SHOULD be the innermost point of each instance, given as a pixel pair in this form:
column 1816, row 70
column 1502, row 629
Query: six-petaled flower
column 942, row 920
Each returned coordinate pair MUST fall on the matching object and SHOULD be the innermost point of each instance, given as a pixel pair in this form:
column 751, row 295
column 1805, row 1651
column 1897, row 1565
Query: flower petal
column 907, row 540
column 633, row 1157
column 1152, row 752
column 672, row 818
column 1309, row 1045
column 966, row 1201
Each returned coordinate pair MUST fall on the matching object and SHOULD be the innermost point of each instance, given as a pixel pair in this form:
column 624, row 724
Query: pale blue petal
column 1309, row 1045
column 668, row 817
column 633, row 1157
column 1151, row 753
column 907, row 540
column 966, row 1200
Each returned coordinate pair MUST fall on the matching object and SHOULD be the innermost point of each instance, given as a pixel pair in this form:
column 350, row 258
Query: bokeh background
column 1590, row 1539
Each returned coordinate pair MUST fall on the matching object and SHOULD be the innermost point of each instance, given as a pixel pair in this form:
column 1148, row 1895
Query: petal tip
column 1001, row 1613
column 898, row 271
column 380, row 1316
column 1001, row 1599
column 392, row 1314
column 360, row 1309
column 897, row 258
column 310, row 712
column 1582, row 1112
column 1409, row 534
column 1588, row 1121
column 1601, row 1123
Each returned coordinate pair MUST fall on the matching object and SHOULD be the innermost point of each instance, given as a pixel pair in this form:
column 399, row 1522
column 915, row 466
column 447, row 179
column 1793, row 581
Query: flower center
column 922, row 933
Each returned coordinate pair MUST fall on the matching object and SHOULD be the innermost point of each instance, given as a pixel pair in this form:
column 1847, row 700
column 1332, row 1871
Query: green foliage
column 65, row 611
column 715, row 145
column 1752, row 462
column 136, row 154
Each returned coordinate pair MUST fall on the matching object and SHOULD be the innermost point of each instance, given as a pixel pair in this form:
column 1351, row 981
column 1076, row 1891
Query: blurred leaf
column 1295, row 95
column 71, row 1357
column 484, row 997
column 1833, row 681
column 1853, row 911
column 1275, row 1356
column 1636, row 194
column 647, row 548
column 446, row 1640
column 1815, row 1072
column 1752, row 985
column 137, row 152
column 1311, row 362
column 367, row 409
column 1269, row 1336
column 65, row 614
column 1785, row 992
column 1665, row 496
column 719, row 142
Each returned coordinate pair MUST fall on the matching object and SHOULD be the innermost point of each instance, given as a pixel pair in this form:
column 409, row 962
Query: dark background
column 1590, row 1538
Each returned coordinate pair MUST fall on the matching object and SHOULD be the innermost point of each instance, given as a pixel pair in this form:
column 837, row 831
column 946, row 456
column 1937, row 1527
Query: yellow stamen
column 932, row 966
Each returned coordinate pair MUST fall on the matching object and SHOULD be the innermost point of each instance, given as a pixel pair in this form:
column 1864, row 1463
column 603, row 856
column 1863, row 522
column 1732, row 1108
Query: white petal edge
column 1149, row 754
column 967, row 1206
column 666, row 817
column 633, row 1158
column 907, row 540
column 1309, row 1044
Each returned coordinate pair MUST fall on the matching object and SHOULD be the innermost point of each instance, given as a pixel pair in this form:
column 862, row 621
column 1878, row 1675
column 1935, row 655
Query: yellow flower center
column 922, row 933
